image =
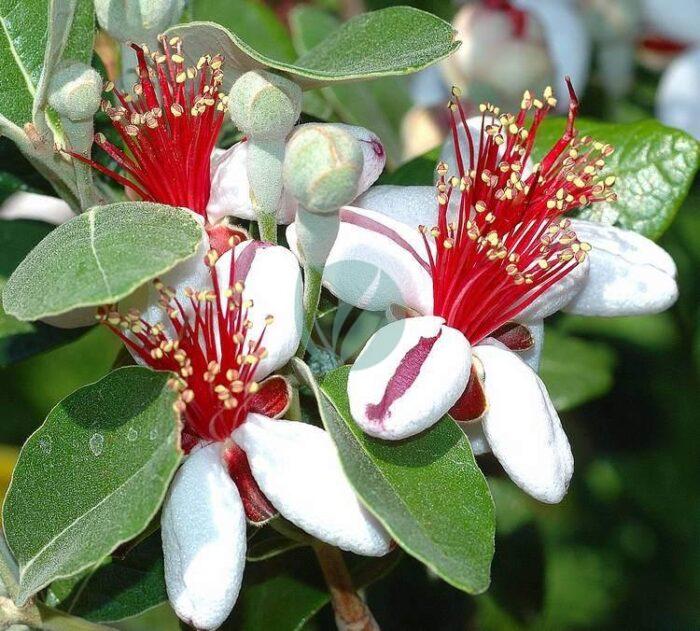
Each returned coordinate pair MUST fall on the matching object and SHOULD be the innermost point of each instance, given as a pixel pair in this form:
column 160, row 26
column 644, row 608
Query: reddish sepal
column 258, row 509
column 516, row 337
column 471, row 406
column 273, row 398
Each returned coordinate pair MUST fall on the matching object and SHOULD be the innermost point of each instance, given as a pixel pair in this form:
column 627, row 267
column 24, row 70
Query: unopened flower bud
column 264, row 105
column 322, row 167
column 75, row 92
column 140, row 21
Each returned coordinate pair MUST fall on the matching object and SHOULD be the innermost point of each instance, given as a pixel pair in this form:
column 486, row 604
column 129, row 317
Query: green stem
column 267, row 225
column 312, row 294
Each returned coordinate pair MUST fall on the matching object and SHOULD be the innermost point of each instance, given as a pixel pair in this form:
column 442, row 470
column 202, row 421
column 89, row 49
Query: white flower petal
column 272, row 280
column 522, row 426
column 477, row 439
column 558, row 295
column 410, row 373
column 411, row 205
column 568, row 42
column 532, row 356
column 204, row 540
column 298, row 469
column 678, row 96
column 629, row 274
column 376, row 262
column 230, row 189
column 372, row 152
column 35, row 206
column 677, row 20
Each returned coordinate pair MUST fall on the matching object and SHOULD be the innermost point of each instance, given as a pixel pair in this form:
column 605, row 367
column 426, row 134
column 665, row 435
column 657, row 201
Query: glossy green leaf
column 23, row 41
column 19, row 340
column 575, row 371
column 121, row 588
column 654, row 165
column 284, row 593
column 393, row 41
column 427, row 490
column 100, row 257
column 92, row 476
column 378, row 105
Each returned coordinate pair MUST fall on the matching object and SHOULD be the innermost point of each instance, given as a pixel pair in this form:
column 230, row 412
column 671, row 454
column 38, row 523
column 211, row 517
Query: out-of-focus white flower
column 678, row 96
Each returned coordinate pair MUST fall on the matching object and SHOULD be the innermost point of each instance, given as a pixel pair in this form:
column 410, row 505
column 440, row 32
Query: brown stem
column 351, row 612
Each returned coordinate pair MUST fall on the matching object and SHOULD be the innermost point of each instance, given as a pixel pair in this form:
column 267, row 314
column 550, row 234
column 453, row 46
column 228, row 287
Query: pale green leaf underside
column 393, row 41
column 92, row 476
column 427, row 490
column 100, row 257
column 654, row 165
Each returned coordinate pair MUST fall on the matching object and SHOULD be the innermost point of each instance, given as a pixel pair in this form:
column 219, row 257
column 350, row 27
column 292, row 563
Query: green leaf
column 100, row 257
column 23, row 40
column 393, row 41
column 378, row 105
column 19, row 340
column 284, row 593
column 122, row 588
column 654, row 165
column 575, row 371
column 426, row 490
column 267, row 542
column 92, row 476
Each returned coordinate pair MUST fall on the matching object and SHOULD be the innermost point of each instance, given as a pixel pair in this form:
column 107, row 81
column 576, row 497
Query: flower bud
column 322, row 167
column 264, row 105
column 139, row 21
column 75, row 92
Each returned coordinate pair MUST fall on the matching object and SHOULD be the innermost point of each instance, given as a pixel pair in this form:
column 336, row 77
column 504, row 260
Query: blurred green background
column 622, row 551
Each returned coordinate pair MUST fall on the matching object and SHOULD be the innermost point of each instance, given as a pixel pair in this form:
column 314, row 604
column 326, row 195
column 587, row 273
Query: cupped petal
column 522, row 426
column 376, row 262
column 35, row 206
column 412, row 206
column 558, row 295
column 272, row 281
column 629, row 274
column 230, row 189
column 410, row 373
column 298, row 468
column 204, row 540
column 374, row 156
column 678, row 96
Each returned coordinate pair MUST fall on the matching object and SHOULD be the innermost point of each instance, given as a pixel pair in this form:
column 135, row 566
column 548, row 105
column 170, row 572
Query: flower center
column 169, row 125
column 500, row 241
column 207, row 345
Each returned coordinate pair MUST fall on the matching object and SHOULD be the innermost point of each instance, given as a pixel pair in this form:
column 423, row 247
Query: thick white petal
column 449, row 156
column 678, row 20
column 532, row 356
column 204, row 540
column 410, row 373
column 629, row 274
column 272, row 280
column 522, row 426
column 35, row 206
column 230, row 189
column 298, row 469
column 558, row 295
column 376, row 262
column 678, row 96
column 411, row 205
column 568, row 42
column 372, row 152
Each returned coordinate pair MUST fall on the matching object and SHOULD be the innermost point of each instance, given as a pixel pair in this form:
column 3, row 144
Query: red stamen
column 508, row 243
column 208, row 347
column 169, row 129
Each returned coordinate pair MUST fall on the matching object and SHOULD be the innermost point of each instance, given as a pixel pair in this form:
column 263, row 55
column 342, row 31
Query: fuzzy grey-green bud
column 264, row 105
column 138, row 21
column 75, row 92
column 322, row 167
